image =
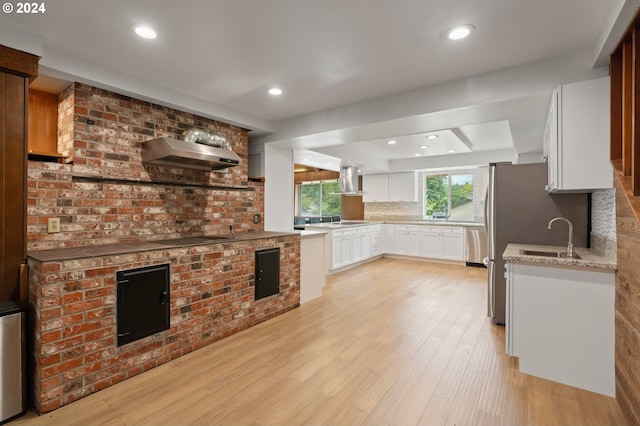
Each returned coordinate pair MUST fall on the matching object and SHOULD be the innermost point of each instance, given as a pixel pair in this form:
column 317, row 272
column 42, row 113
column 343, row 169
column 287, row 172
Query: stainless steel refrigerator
column 518, row 210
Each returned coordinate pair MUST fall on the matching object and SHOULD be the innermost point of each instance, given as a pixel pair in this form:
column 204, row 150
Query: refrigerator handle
column 486, row 210
column 491, row 303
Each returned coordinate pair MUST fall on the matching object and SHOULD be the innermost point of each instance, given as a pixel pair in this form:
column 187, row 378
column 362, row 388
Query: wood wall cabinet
column 43, row 123
column 15, row 70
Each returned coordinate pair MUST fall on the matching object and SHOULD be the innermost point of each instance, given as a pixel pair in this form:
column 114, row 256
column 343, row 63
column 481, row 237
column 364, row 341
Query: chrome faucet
column 570, row 244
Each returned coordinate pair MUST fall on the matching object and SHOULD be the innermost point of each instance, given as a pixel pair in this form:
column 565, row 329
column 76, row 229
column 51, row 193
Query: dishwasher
column 475, row 246
column 12, row 361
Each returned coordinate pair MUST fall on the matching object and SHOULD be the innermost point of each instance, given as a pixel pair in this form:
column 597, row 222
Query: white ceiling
column 218, row 58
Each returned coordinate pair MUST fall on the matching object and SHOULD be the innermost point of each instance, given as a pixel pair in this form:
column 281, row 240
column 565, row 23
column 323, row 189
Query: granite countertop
column 348, row 224
column 434, row 223
column 53, row 255
column 341, row 225
column 589, row 258
column 314, row 233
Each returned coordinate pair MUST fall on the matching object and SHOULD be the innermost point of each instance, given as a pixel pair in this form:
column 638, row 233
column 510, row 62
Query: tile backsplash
column 603, row 221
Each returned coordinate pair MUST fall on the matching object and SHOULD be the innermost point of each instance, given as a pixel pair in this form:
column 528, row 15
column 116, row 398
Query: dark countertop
column 53, row 255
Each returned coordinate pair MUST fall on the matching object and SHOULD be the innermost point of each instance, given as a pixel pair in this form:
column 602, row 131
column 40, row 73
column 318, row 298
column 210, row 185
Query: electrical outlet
column 257, row 218
column 53, row 225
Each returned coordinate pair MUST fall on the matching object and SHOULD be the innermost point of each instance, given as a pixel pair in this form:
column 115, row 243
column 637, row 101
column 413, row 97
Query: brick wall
column 73, row 312
column 139, row 202
column 627, row 306
column 103, row 194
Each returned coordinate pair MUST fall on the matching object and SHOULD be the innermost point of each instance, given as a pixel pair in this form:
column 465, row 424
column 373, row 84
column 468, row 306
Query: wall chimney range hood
column 348, row 181
column 188, row 155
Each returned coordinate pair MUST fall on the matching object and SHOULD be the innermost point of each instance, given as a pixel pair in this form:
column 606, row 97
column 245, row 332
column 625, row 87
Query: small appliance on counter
column 300, row 222
column 13, row 401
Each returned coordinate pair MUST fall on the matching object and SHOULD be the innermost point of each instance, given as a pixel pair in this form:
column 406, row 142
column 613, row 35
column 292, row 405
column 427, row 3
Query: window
column 318, row 198
column 448, row 197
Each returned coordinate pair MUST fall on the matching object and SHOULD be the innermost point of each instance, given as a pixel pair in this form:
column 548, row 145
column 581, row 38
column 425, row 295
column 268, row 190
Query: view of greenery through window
column 317, row 198
column 449, row 197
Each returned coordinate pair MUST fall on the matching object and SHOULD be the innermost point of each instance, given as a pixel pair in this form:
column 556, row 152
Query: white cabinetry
column 394, row 187
column 375, row 188
column 577, row 137
column 560, row 323
column 340, row 248
column 442, row 242
column 357, row 244
column 388, row 238
column 408, row 240
column 354, row 244
column 402, row 187
column 312, row 272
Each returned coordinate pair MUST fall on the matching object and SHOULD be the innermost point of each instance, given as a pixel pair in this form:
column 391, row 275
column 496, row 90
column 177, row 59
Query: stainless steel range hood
column 348, row 181
column 188, row 155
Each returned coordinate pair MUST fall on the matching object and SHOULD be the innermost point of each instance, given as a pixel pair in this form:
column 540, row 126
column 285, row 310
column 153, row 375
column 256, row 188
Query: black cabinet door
column 267, row 272
column 143, row 302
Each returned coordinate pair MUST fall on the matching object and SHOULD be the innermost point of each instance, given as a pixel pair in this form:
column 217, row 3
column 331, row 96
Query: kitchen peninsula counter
column 61, row 254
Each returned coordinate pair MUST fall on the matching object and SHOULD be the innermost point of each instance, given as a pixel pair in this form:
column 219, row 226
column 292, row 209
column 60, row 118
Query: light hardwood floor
column 392, row 342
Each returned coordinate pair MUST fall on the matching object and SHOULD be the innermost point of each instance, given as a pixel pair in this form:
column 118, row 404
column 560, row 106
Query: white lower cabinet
column 388, row 238
column 357, row 247
column 408, row 240
column 442, row 242
column 354, row 245
column 340, row 248
column 359, row 243
column 560, row 323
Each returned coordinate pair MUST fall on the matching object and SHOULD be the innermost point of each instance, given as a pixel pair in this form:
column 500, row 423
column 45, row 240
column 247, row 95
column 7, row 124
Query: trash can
column 13, row 401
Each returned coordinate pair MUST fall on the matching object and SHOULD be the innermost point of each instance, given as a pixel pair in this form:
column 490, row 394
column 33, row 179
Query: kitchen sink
column 559, row 254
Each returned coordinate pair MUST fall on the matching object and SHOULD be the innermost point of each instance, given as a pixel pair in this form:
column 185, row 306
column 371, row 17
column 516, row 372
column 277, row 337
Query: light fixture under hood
column 348, row 181
column 189, row 155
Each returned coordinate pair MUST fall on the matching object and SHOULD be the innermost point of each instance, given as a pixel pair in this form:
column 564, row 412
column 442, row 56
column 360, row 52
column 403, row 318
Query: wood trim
column 13, row 186
column 18, row 62
column 315, row 176
column 616, row 106
column 352, row 207
column 627, row 108
column 634, row 149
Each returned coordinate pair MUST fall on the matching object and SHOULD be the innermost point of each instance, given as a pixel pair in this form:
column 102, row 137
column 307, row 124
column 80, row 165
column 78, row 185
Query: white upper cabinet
column 394, row 187
column 402, row 187
column 375, row 188
column 577, row 137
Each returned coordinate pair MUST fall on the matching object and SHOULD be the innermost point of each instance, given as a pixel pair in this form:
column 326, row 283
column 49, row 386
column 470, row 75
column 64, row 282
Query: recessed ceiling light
column 275, row 91
column 145, row 32
column 451, row 151
column 425, row 146
column 391, row 142
column 433, row 137
column 306, row 159
column 417, row 155
column 460, row 32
